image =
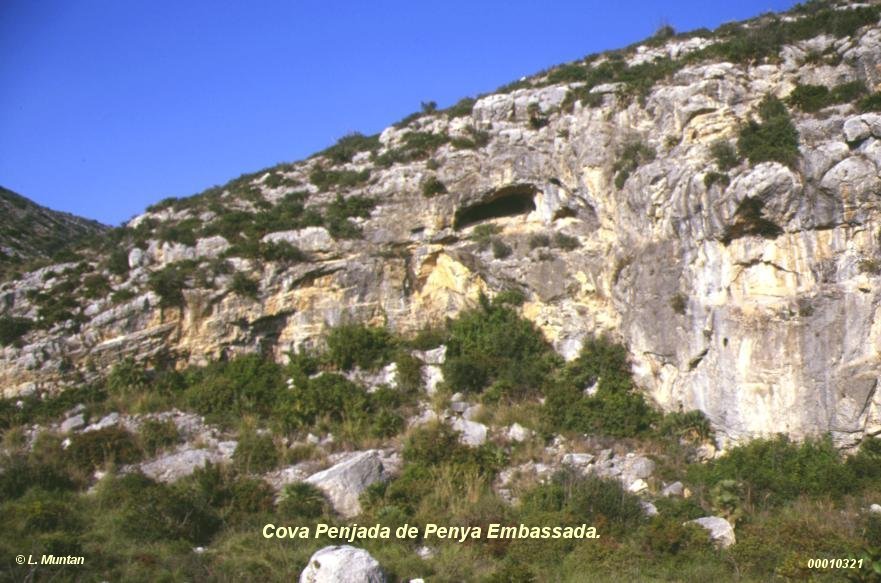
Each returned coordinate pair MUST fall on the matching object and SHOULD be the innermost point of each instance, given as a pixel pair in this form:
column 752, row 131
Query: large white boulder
column 344, row 482
column 472, row 433
column 721, row 531
column 342, row 564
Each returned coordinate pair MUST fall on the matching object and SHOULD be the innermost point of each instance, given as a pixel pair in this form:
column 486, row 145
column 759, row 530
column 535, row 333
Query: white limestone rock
column 721, row 531
column 473, row 434
column 342, row 564
column 344, row 482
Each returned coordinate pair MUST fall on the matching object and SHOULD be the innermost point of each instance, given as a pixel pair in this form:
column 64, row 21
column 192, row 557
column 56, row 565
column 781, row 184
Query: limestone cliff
column 616, row 192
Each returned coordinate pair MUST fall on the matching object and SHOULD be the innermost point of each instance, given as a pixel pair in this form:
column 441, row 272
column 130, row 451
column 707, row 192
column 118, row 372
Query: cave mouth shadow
column 508, row 201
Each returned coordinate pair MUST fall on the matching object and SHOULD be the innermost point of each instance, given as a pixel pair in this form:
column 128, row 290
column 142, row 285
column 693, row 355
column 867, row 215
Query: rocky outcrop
column 342, row 564
column 764, row 334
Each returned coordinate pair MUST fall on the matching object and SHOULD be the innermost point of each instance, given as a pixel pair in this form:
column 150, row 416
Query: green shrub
column 367, row 347
column 255, row 453
column 349, row 145
column 95, row 286
column 127, row 379
column 409, row 372
column 483, row 234
column 711, row 178
column 812, row 98
column 432, row 187
column 866, row 463
column 184, row 232
column 724, row 154
column 500, row 249
column 282, row 252
column 692, row 426
column 415, row 146
column 341, row 210
column 12, row 329
column 536, row 119
column 117, row 262
column 302, row 500
column 539, row 240
column 492, row 343
column 870, row 102
column 170, row 282
column 774, row 471
column 227, row 391
column 679, row 303
column 140, row 509
column 461, row 108
column 475, row 139
column 773, row 139
column 749, row 221
column 566, row 242
column 328, row 397
column 616, row 409
column 575, row 498
column 21, row 472
column 243, row 285
column 157, row 435
column 93, row 449
column 631, row 155
column 325, row 179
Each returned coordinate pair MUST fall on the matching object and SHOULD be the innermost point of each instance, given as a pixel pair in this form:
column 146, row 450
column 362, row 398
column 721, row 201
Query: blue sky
column 108, row 106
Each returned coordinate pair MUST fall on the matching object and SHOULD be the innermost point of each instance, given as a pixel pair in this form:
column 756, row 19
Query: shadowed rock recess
column 719, row 223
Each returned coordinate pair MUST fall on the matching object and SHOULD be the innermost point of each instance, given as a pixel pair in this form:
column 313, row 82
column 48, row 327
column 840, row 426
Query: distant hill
column 29, row 231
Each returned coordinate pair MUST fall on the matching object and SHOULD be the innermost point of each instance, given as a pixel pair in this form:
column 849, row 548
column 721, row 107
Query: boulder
column 721, row 531
column 342, row 564
column 518, row 433
column 675, row 489
column 344, row 482
column 578, row 460
column 172, row 467
column 473, row 433
column 72, row 423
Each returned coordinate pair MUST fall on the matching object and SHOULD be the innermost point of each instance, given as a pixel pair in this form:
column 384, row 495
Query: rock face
column 344, row 482
column 342, row 564
column 764, row 334
column 721, row 531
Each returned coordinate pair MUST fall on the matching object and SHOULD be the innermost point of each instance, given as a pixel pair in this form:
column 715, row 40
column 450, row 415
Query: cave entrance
column 509, row 201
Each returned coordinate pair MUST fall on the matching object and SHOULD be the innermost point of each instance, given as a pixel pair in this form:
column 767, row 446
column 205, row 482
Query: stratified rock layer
column 764, row 335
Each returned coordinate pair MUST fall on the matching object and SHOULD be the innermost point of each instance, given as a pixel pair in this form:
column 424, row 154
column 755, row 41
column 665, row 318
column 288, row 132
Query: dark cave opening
column 517, row 199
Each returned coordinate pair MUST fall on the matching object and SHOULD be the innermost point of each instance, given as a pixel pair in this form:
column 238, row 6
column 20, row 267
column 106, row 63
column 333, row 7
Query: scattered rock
column 518, row 433
column 72, row 423
column 344, row 482
column 342, row 564
column 106, row 421
column 638, row 485
column 435, row 356
column 578, row 460
column 721, row 531
column 875, row 509
column 648, row 508
column 473, row 433
column 676, row 489
column 174, row 466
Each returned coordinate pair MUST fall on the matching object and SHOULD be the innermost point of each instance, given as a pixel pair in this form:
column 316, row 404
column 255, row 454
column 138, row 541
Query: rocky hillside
column 710, row 199
column 29, row 231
